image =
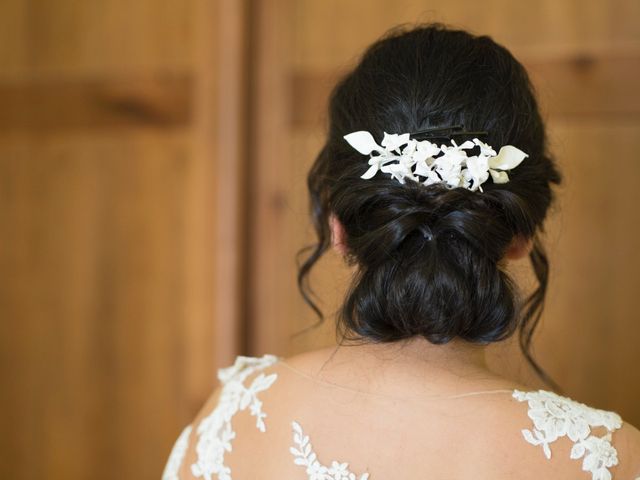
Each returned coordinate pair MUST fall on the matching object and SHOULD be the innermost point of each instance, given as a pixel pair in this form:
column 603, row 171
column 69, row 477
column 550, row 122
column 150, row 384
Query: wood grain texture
column 110, row 318
column 92, row 304
column 270, row 256
column 589, row 339
column 222, row 129
column 65, row 38
column 162, row 101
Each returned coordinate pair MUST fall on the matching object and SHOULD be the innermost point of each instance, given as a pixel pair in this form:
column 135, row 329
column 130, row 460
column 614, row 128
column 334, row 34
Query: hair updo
column 428, row 257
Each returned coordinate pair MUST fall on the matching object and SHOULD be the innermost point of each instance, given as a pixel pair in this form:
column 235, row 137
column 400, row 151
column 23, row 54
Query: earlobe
column 520, row 247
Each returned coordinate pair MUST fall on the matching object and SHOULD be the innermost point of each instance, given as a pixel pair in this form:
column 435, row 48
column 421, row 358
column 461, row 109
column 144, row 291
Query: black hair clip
column 443, row 132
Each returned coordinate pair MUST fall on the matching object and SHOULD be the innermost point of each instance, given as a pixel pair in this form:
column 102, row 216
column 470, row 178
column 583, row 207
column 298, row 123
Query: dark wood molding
column 161, row 100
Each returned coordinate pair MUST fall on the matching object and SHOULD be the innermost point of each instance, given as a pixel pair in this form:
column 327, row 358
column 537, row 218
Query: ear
column 519, row 247
column 337, row 234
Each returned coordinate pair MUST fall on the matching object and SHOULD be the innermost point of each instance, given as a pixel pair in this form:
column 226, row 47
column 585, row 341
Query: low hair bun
column 448, row 286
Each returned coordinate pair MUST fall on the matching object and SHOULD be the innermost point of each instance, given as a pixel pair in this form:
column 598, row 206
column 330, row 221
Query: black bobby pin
column 444, row 132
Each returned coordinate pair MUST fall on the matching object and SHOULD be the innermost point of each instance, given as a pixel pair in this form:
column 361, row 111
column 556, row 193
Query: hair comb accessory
column 403, row 157
column 443, row 132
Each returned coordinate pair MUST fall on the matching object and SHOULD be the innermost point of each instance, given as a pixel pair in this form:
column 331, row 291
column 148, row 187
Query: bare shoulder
column 202, row 448
column 627, row 444
column 310, row 360
column 629, row 440
column 579, row 438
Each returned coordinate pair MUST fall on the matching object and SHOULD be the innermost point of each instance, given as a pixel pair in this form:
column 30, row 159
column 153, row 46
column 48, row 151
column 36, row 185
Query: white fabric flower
column 485, row 150
column 393, row 141
column 398, row 171
column 305, row 456
column 365, row 144
column 555, row 416
column 447, row 164
column 477, row 171
column 425, row 150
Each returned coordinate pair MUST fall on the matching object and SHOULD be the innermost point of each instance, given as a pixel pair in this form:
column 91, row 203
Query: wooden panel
column 121, row 286
column 589, row 339
column 44, row 104
column 269, row 257
column 94, row 298
column 223, row 108
column 44, row 38
column 594, row 84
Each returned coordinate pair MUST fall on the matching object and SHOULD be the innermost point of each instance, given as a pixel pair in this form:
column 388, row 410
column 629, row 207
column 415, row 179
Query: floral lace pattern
column 555, row 416
column 215, row 431
column 306, row 457
column 177, row 455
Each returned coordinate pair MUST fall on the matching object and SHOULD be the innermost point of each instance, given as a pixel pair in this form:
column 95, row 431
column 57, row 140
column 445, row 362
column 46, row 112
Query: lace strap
column 555, row 416
column 244, row 366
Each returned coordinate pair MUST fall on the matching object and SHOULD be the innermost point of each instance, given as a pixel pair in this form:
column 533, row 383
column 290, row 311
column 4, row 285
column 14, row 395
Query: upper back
column 270, row 419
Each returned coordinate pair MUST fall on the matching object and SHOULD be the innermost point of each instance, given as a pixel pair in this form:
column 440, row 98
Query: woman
column 434, row 175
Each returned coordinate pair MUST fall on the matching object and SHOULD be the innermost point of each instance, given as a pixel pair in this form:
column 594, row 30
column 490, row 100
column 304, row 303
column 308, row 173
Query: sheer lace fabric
column 555, row 416
column 552, row 417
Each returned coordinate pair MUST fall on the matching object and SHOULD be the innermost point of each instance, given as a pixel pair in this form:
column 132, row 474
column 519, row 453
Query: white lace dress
column 552, row 417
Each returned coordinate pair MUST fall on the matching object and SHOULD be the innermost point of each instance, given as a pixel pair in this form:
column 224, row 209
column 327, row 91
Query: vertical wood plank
column 110, row 316
column 269, row 185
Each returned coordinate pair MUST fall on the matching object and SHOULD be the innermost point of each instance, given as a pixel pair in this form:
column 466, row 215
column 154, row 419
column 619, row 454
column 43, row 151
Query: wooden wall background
column 120, row 242
column 153, row 157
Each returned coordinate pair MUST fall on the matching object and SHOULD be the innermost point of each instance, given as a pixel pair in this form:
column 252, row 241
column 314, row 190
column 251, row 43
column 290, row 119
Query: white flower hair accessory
column 447, row 164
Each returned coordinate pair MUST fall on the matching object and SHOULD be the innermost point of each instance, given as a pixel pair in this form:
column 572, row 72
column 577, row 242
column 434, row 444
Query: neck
column 453, row 356
column 402, row 369
column 410, row 364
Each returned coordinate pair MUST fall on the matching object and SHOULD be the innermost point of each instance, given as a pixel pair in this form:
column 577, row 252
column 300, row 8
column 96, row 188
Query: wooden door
column 120, row 269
